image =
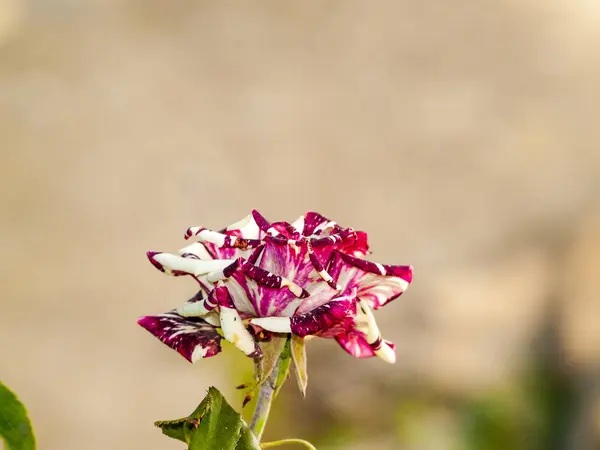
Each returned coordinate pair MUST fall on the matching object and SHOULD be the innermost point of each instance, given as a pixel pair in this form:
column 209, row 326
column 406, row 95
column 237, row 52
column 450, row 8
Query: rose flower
column 307, row 278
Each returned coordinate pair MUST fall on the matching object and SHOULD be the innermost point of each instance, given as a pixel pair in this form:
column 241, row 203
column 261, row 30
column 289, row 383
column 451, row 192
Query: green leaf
column 247, row 440
column 275, row 353
column 283, row 369
column 181, row 429
column 298, row 350
column 271, row 350
column 15, row 427
column 214, row 424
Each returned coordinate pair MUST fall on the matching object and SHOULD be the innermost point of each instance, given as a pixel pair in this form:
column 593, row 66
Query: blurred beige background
column 463, row 136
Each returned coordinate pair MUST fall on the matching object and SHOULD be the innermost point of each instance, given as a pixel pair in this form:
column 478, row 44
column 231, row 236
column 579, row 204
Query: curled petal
column 358, row 248
column 212, row 318
column 233, row 328
column 274, row 324
column 285, row 229
column 243, row 299
column 193, row 338
column 179, row 265
column 314, row 223
column 355, row 343
column 223, row 246
column 195, row 250
column 197, row 306
column 321, row 249
column 246, row 228
column 262, row 223
column 229, row 241
column 373, row 335
column 318, row 266
column 196, row 309
column 377, row 283
column 344, row 235
column 320, row 294
column 385, row 351
column 322, row 320
column 237, row 240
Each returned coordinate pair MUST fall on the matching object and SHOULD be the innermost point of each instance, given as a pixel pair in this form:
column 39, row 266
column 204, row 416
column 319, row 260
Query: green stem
column 263, row 404
column 288, row 441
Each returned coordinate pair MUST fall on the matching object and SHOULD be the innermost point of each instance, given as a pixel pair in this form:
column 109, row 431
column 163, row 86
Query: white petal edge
column 247, row 226
column 298, row 224
column 235, row 331
column 196, row 249
column 274, row 324
column 199, row 353
column 190, row 265
column 195, row 309
column 372, row 331
column 372, row 334
column 212, row 237
column 386, row 353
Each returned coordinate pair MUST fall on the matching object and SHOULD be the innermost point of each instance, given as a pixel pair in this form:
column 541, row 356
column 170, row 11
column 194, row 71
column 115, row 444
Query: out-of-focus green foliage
column 532, row 414
column 15, row 427
column 528, row 412
column 498, row 421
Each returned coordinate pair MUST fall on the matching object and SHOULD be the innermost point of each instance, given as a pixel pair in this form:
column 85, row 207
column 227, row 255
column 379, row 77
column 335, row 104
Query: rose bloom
column 307, row 278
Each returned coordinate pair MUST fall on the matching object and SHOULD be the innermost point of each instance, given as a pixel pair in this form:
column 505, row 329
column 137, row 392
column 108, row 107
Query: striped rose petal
column 315, row 225
column 237, row 240
column 194, row 338
column 355, row 343
column 325, row 321
column 378, row 284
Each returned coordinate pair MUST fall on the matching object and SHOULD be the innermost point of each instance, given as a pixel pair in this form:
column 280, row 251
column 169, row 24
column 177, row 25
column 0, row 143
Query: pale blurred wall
column 462, row 136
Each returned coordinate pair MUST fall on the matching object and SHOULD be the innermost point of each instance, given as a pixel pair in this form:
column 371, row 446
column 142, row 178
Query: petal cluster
column 308, row 278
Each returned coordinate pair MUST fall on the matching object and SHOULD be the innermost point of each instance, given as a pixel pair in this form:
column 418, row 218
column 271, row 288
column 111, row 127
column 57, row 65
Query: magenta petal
column 358, row 247
column 264, row 278
column 311, row 221
column 326, row 320
column 344, row 240
column 343, row 235
column 222, row 297
column 285, row 229
column 262, row 293
column 283, row 259
column 378, row 284
column 263, row 224
column 154, row 262
column 355, row 343
column 192, row 337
